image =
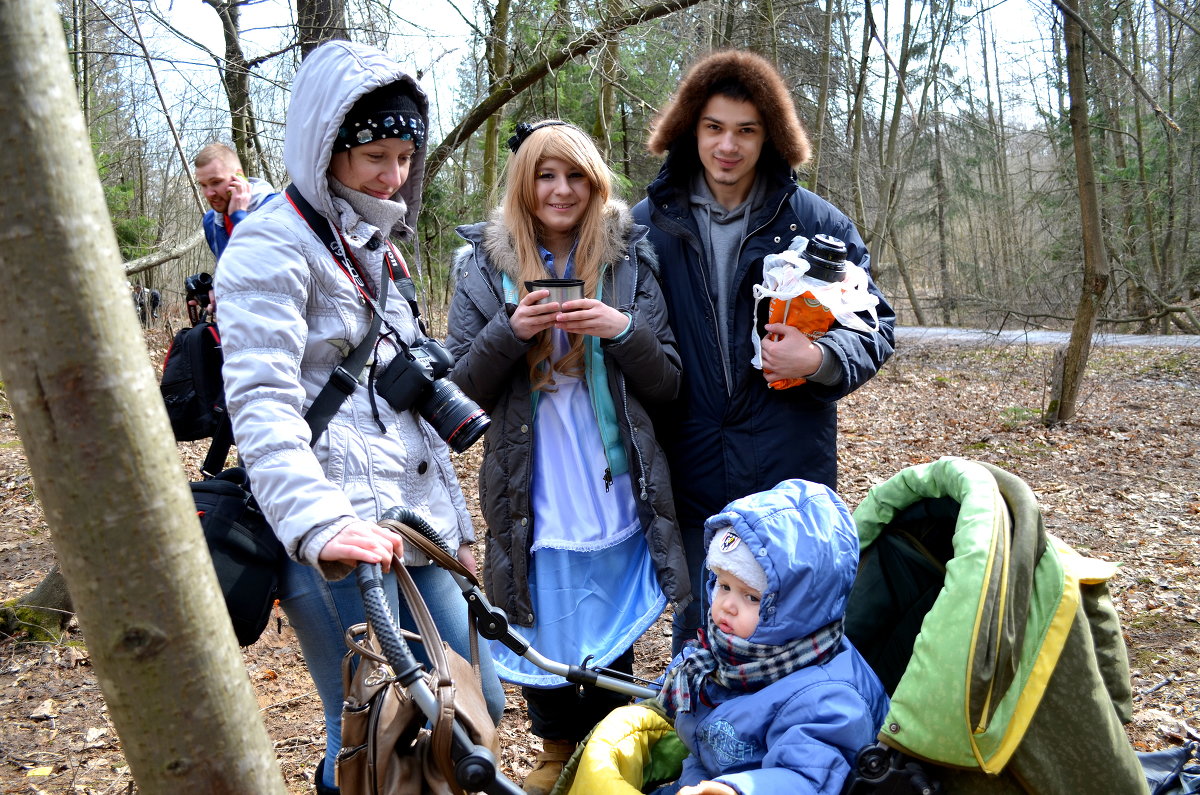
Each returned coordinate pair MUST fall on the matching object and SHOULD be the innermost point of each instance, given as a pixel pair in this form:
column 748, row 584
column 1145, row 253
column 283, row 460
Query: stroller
column 998, row 644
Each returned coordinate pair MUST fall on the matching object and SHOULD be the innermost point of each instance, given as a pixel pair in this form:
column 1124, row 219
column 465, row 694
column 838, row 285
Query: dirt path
column 1121, row 482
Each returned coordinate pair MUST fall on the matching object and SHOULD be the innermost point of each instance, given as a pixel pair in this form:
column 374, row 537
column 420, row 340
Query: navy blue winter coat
column 728, row 435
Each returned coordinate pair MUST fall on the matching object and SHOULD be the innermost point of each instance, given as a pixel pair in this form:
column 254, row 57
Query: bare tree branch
column 1116, row 59
column 509, row 87
column 163, row 255
column 1172, row 12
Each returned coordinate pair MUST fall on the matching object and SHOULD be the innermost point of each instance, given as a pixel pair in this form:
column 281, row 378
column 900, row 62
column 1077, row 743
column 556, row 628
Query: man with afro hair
column 727, row 196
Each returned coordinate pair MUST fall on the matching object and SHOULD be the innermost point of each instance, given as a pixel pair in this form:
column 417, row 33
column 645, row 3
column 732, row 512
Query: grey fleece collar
column 386, row 215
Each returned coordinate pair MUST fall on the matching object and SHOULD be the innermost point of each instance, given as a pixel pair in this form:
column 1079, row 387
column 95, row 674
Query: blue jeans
column 321, row 611
column 685, row 622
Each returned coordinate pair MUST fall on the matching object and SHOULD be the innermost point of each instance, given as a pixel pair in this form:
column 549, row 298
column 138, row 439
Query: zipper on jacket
column 637, row 449
column 712, row 309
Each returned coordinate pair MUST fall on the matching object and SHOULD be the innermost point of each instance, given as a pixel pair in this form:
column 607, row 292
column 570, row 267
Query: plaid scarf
column 738, row 664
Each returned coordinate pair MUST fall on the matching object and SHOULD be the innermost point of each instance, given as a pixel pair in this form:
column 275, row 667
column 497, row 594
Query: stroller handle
column 474, row 765
column 491, row 622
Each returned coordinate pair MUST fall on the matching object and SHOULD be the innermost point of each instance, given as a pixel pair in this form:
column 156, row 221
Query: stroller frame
column 492, row 623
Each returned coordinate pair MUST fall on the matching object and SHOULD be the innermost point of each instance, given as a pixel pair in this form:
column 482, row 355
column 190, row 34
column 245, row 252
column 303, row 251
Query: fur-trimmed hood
column 677, row 121
column 498, row 245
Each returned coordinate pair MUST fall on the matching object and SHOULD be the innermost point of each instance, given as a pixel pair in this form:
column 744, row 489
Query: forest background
column 1046, row 187
column 942, row 128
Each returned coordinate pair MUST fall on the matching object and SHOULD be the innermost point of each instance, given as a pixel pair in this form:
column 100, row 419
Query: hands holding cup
column 559, row 303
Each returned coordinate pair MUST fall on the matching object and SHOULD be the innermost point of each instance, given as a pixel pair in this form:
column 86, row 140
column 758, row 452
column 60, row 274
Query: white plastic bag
column 785, row 277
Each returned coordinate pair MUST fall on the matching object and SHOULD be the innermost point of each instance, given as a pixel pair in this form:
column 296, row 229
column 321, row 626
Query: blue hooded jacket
column 799, row 734
column 214, row 222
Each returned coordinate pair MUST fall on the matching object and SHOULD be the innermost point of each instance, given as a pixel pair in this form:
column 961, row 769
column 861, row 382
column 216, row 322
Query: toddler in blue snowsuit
column 773, row 698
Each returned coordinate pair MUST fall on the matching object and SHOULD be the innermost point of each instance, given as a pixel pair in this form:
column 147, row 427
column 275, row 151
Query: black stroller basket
column 475, row 767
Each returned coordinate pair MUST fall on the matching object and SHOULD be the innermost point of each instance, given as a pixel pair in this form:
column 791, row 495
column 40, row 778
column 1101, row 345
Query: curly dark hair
column 742, row 76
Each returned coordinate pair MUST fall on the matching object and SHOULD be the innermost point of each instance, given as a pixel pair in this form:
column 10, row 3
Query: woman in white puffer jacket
column 289, row 314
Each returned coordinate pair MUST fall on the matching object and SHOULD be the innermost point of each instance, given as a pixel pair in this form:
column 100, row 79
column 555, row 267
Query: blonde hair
column 220, row 152
column 566, row 142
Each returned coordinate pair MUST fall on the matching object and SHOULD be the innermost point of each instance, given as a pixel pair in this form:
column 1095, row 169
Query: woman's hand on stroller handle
column 363, row 542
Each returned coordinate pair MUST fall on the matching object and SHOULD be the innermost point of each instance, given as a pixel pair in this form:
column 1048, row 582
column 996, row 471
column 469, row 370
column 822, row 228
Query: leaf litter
column 1119, row 482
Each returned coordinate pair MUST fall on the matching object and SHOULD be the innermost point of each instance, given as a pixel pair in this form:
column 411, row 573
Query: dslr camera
column 197, row 286
column 416, row 378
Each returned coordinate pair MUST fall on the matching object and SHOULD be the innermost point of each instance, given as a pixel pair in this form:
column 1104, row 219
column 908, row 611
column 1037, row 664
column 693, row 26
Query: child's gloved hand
column 708, row 788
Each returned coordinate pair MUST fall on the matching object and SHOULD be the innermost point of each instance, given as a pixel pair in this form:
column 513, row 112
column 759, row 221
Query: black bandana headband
column 387, row 112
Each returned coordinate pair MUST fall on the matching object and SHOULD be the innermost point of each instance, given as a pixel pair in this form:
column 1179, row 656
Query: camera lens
column 455, row 417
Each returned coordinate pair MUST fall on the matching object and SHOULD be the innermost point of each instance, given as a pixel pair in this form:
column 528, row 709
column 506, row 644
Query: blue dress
column 591, row 577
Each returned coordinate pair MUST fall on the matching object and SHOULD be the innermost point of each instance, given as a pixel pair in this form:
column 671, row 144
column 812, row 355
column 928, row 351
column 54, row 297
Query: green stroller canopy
column 981, row 624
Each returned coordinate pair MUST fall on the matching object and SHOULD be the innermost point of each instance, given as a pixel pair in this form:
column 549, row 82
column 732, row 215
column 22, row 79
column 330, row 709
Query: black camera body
column 416, row 378
column 197, row 286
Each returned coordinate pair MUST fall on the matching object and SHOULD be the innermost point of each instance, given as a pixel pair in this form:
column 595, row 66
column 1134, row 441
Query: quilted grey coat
column 490, row 367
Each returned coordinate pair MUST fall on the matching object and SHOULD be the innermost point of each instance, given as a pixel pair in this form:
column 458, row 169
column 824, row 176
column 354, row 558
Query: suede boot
column 319, row 780
column 555, row 754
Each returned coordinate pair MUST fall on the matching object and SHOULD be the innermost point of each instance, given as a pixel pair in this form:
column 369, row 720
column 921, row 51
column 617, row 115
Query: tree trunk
column 943, row 199
column 1062, row 402
column 99, row 447
column 606, row 102
column 818, row 138
column 318, row 21
column 498, row 68
column 42, row 613
column 235, row 76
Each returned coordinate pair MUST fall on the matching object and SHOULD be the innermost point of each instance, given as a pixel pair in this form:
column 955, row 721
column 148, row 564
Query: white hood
column 332, row 78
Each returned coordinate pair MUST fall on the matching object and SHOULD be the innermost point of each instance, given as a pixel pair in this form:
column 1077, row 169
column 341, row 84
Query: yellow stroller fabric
column 632, row 747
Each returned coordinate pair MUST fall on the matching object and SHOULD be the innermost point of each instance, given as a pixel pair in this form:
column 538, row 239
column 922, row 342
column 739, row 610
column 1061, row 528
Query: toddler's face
column 734, row 605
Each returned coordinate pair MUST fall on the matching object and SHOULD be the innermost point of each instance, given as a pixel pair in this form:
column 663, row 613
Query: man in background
column 232, row 196
column 229, row 192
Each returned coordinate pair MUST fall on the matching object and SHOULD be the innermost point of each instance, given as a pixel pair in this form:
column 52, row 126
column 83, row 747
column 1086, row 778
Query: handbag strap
column 438, row 554
column 433, row 550
column 442, row 685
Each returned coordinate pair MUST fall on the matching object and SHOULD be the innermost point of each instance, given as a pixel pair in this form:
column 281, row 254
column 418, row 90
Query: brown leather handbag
column 387, row 748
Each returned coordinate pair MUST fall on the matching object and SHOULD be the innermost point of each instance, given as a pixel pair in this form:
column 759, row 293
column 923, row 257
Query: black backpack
column 191, row 383
column 246, row 555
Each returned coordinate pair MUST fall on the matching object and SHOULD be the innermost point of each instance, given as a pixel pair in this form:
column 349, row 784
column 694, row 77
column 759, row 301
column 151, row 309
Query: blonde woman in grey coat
column 583, row 552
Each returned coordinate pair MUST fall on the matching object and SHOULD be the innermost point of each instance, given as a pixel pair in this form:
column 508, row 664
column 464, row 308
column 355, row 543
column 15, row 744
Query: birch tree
column 100, row 448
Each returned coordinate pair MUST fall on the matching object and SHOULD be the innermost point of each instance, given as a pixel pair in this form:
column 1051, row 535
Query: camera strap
column 341, row 384
column 344, row 379
column 324, row 230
